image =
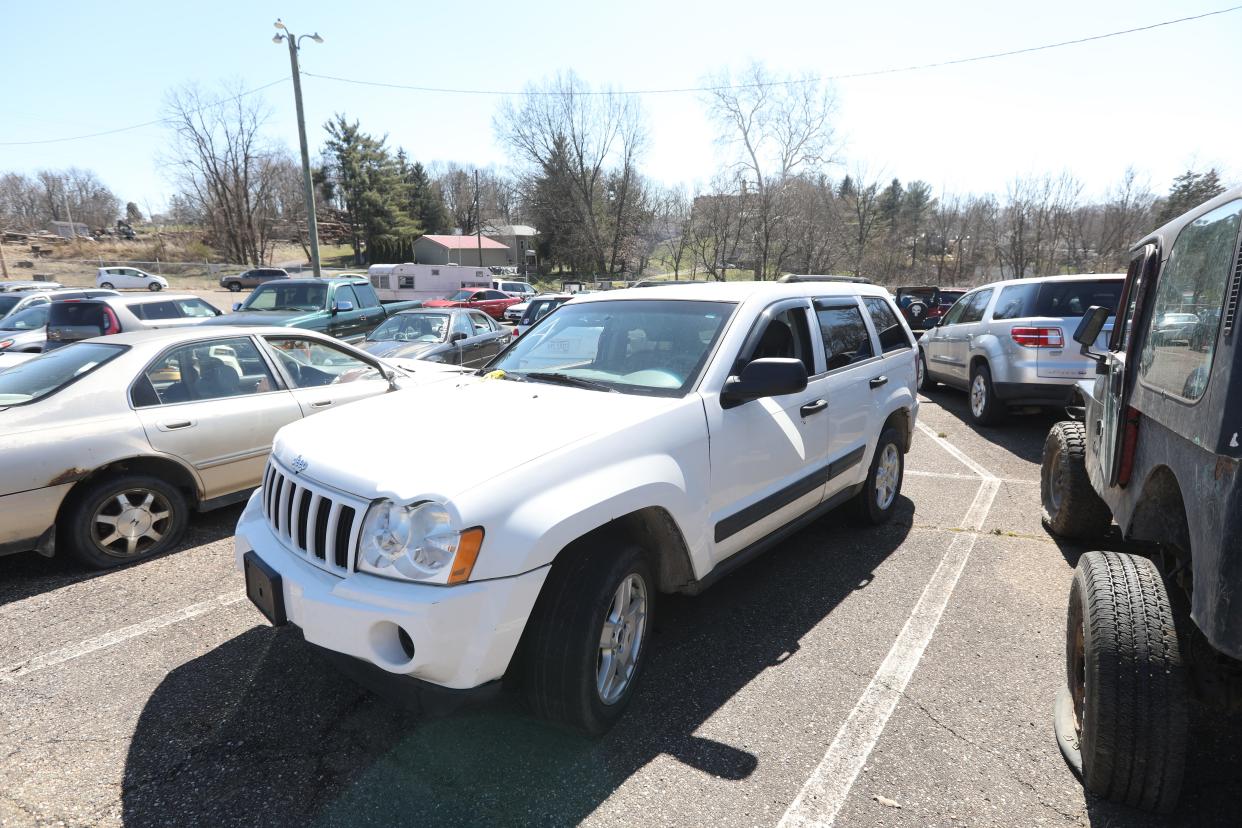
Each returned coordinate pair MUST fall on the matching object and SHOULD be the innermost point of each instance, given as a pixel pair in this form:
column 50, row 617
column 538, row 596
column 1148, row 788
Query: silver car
column 110, row 444
column 25, row 331
column 1009, row 344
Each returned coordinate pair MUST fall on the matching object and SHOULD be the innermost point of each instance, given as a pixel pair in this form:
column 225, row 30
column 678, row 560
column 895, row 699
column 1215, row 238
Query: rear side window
column 892, row 335
column 153, row 311
column 1016, row 301
column 846, row 340
column 1181, row 335
column 1074, row 298
column 196, row 307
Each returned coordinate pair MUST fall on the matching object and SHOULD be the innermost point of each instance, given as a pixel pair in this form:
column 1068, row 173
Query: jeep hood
column 440, row 440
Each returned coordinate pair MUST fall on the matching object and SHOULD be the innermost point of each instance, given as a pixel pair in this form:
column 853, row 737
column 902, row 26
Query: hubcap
column 887, row 477
column 621, row 639
column 131, row 523
column 978, row 395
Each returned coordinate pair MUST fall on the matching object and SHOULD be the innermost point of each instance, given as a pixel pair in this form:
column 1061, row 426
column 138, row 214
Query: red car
column 491, row 302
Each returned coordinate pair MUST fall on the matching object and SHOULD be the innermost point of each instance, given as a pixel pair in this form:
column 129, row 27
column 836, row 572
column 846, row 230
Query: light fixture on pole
column 312, row 227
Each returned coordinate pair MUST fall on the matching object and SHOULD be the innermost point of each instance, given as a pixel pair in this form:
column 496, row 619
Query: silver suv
column 1009, row 343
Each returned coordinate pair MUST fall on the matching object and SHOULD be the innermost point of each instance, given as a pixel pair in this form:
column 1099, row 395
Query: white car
column 669, row 435
column 110, row 445
column 128, row 277
column 514, row 287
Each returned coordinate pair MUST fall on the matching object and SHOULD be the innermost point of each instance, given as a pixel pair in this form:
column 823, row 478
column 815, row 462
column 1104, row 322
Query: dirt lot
column 904, row 676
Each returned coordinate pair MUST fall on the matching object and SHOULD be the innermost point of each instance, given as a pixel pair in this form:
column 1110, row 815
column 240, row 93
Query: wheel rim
column 1078, row 677
column 131, row 522
column 920, row 371
column 978, row 395
column 887, row 477
column 621, row 639
column 1055, row 480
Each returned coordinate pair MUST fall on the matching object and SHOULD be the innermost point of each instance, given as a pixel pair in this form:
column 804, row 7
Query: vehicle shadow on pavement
column 28, row 574
column 262, row 730
column 1020, row 434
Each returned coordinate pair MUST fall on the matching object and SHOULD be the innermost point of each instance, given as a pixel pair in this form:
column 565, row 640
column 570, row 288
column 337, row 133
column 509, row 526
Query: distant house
column 520, row 238
column 67, row 231
column 463, row 250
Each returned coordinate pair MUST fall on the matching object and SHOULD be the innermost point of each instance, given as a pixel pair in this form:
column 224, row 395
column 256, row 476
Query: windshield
column 7, row 303
column 460, row 296
column 48, row 373
column 28, row 320
column 412, row 327
column 631, row 345
column 277, row 297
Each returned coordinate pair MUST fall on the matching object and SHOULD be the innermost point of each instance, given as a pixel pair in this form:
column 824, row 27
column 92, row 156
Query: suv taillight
column 1038, row 337
column 112, row 325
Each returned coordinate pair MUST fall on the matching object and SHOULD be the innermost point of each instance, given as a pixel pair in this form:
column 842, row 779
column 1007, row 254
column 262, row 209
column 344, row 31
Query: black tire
column 78, row 526
column 235, row 287
column 1127, row 681
column 870, row 507
column 155, row 287
column 992, row 410
column 561, row 653
column 1071, row 507
column 926, row 383
column 106, row 286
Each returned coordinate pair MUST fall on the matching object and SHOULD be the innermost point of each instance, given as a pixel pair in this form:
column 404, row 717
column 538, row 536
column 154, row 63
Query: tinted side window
column 1074, row 298
column 345, row 293
column 367, row 294
column 151, row 311
column 787, row 335
column 1016, row 301
column 892, row 335
column 954, row 314
column 974, row 311
column 1181, row 336
column 196, row 307
column 846, row 340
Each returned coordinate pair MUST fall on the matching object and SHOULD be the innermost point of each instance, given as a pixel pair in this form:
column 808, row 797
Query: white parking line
column 108, row 639
column 824, row 793
column 970, row 477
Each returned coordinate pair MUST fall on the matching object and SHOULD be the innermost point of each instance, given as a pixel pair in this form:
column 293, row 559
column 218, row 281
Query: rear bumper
column 26, row 517
column 1035, row 393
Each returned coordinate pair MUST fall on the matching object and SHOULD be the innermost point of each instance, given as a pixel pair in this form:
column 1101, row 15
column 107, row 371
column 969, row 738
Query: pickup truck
column 670, row 434
column 344, row 307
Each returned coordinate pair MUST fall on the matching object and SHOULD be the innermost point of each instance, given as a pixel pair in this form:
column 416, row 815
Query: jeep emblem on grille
column 298, row 465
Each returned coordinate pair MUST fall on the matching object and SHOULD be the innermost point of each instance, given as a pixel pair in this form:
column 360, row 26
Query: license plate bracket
column 264, row 589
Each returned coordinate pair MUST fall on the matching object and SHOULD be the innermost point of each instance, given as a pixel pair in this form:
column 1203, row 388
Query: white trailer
column 421, row 281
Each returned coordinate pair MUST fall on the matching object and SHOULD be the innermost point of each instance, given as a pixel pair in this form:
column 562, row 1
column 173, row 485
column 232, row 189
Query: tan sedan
column 111, row 443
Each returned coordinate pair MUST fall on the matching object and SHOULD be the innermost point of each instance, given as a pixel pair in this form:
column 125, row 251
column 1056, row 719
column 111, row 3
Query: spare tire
column 1126, row 683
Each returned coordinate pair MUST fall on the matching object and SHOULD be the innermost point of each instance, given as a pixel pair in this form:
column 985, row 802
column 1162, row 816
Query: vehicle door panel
column 849, row 352
column 955, row 360
column 769, row 459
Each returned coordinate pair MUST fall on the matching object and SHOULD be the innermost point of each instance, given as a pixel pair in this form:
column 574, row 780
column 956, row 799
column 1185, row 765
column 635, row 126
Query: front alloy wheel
column 130, row 524
column 888, row 477
column 621, row 639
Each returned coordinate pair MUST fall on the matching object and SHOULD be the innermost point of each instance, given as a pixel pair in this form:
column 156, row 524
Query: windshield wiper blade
column 566, row 379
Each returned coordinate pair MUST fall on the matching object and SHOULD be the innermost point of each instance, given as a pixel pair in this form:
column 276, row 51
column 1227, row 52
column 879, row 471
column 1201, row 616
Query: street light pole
column 312, row 225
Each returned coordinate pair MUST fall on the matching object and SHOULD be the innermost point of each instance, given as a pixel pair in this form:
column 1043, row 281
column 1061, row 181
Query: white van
column 128, row 277
column 420, row 281
column 514, row 287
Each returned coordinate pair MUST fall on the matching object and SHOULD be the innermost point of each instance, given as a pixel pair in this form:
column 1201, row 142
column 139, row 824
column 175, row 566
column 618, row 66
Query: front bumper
column 463, row 636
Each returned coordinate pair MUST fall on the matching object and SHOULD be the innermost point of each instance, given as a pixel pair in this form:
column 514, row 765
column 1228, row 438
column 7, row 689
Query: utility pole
column 4, row 266
column 312, row 226
column 478, row 218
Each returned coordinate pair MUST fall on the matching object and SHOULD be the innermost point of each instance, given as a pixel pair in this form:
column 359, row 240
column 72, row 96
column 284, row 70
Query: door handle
column 174, row 426
column 876, row 382
column 321, row 403
column 813, row 408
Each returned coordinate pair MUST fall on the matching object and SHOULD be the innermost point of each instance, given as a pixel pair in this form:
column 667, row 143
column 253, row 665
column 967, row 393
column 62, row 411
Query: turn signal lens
column 467, row 554
column 1038, row 337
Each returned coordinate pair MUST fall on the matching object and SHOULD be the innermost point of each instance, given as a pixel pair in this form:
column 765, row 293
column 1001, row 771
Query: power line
column 846, row 76
column 236, row 97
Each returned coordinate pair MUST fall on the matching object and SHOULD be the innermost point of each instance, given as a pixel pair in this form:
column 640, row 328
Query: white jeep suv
column 671, row 434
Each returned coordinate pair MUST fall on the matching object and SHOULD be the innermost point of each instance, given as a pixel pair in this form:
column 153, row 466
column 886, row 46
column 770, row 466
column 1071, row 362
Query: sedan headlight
column 416, row 542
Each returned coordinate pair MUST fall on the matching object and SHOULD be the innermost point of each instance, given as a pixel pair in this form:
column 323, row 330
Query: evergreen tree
column 1190, row 189
column 423, row 201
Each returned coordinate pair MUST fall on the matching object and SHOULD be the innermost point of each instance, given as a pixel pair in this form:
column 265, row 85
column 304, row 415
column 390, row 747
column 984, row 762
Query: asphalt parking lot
column 896, row 677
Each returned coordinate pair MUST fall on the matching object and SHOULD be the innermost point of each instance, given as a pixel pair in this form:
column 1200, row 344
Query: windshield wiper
column 566, row 379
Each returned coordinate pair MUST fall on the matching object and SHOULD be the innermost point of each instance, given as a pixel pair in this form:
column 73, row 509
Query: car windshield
column 632, row 345
column 460, row 296
column 277, row 297
column 538, row 309
column 28, row 320
column 48, row 373
column 412, row 327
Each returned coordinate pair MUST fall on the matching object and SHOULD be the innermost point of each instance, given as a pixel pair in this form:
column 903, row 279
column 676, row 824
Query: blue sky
column 1162, row 100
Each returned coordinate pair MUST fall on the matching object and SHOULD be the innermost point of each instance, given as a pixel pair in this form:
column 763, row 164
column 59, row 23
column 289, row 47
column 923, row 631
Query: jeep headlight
column 416, row 542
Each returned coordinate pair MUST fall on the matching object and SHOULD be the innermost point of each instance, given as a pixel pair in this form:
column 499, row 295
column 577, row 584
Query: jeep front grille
column 316, row 523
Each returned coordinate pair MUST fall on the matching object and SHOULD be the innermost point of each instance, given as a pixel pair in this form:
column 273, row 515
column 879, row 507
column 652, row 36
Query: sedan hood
column 438, row 441
column 396, row 348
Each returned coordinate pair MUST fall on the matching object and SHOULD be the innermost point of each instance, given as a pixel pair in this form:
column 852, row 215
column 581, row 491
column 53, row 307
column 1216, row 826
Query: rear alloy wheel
column 125, row 518
column 1071, row 507
column 155, row 287
column 1121, row 719
column 985, row 409
column 235, row 287
column 106, row 285
column 586, row 642
column 875, row 503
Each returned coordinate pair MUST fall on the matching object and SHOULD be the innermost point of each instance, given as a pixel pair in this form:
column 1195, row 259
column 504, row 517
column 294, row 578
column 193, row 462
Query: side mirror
column 456, row 336
column 237, row 306
column 343, row 305
column 1089, row 330
column 768, row 377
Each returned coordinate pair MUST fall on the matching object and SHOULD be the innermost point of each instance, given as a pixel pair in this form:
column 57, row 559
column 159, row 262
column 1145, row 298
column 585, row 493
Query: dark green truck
column 345, row 307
